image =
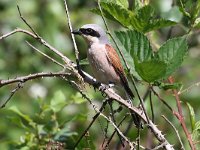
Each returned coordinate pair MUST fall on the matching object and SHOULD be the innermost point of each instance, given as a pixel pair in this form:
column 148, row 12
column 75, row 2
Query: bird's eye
column 89, row 30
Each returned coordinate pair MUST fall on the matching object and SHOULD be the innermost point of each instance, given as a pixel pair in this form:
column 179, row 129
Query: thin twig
column 179, row 138
column 45, row 55
column 189, row 88
column 72, row 35
column 162, row 100
column 91, row 123
column 24, row 20
column 109, row 140
column 19, row 86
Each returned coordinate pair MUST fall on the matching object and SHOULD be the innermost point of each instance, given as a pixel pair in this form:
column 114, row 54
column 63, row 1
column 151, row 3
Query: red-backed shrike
column 104, row 60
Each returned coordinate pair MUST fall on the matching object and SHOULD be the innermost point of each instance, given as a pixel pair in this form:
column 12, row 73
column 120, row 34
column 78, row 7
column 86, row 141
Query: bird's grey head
column 92, row 33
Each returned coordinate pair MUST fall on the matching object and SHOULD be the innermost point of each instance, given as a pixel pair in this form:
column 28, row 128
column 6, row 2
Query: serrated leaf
column 172, row 53
column 192, row 115
column 151, row 70
column 133, row 44
column 196, row 132
column 111, row 11
column 182, row 9
column 136, row 44
column 58, row 101
column 157, row 24
column 123, row 3
column 141, row 20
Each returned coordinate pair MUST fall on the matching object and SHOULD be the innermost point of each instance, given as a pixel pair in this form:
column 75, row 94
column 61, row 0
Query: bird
column 104, row 60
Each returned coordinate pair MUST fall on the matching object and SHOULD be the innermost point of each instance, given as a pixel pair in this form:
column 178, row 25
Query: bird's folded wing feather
column 114, row 60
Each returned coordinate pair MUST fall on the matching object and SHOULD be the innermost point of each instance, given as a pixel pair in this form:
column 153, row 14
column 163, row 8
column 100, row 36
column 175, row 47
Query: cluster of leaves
column 151, row 66
column 45, row 128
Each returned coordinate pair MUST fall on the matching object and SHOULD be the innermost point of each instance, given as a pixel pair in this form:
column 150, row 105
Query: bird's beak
column 78, row 32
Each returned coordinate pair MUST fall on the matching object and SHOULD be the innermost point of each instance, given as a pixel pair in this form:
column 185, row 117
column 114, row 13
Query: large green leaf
column 136, row 44
column 116, row 13
column 172, row 53
column 133, row 43
column 151, row 70
column 142, row 20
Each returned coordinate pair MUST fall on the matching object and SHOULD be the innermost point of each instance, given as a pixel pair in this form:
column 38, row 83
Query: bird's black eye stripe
column 89, row 31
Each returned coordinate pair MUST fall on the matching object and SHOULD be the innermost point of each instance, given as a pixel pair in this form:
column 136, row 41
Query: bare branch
column 32, row 76
column 72, row 35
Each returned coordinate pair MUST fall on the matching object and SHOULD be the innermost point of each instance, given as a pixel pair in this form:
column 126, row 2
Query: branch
column 33, row 76
column 180, row 116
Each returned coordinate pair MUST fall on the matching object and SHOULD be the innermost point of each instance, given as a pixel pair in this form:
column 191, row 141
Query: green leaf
column 196, row 10
column 197, row 23
column 136, row 44
column 151, row 70
column 181, row 5
column 141, row 20
column 58, row 101
column 196, row 132
column 133, row 43
column 173, row 53
column 77, row 98
column 26, row 118
column 123, row 3
column 192, row 116
column 157, row 24
column 111, row 11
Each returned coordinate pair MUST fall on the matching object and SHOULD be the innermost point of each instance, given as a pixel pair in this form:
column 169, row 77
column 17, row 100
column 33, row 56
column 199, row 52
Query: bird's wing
column 114, row 60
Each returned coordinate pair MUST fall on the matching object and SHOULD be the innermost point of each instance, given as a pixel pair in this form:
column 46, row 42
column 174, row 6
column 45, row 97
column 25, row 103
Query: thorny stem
column 180, row 115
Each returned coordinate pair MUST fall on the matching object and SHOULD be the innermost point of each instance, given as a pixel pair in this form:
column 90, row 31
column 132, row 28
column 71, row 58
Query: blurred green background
column 50, row 109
